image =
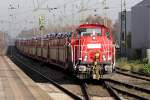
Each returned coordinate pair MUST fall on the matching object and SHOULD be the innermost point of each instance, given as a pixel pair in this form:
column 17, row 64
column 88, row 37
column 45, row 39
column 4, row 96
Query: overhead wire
column 69, row 2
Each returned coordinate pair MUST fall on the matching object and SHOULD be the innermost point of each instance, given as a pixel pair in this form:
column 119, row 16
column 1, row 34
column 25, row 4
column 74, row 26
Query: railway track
column 113, row 87
column 104, row 85
column 131, row 91
column 131, row 85
column 111, row 90
column 83, row 85
column 85, row 91
column 132, row 74
column 29, row 67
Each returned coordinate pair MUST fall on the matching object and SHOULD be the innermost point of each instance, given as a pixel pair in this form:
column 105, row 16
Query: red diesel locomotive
column 88, row 52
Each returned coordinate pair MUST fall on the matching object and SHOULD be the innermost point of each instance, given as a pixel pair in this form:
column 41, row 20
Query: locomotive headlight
column 94, row 38
column 109, row 58
column 104, row 58
column 82, row 68
column 106, row 67
column 85, row 58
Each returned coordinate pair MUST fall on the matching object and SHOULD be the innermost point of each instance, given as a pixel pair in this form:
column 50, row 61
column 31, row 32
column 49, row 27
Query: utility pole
column 72, row 17
column 105, row 12
column 123, row 29
column 11, row 14
column 82, row 13
column 64, row 15
column 33, row 22
column 105, row 8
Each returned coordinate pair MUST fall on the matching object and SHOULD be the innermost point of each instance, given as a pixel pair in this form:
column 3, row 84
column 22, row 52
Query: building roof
column 143, row 3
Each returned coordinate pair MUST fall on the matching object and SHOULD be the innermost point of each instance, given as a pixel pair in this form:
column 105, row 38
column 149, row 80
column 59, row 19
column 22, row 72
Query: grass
column 140, row 66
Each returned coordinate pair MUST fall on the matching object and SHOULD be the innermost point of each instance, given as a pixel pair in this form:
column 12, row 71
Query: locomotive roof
column 91, row 25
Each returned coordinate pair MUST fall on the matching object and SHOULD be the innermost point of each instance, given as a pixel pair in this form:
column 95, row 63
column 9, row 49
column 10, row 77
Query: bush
column 145, row 60
column 146, row 69
column 137, row 65
column 122, row 60
column 135, row 61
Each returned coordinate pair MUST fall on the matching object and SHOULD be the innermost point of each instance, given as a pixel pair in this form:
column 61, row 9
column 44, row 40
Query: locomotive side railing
column 107, row 49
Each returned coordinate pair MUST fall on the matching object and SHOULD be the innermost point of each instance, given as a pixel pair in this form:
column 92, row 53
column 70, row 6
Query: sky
column 25, row 15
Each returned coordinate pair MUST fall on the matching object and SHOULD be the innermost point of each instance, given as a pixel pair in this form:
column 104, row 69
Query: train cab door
column 75, row 40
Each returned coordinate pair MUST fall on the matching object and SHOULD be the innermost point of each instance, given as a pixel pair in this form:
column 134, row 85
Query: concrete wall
column 140, row 25
column 141, row 28
column 148, row 8
column 148, row 54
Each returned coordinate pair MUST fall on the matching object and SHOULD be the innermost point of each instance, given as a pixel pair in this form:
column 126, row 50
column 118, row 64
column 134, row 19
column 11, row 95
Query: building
column 141, row 27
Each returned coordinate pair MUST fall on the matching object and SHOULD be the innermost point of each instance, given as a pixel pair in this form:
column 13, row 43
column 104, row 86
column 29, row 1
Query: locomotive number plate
column 94, row 46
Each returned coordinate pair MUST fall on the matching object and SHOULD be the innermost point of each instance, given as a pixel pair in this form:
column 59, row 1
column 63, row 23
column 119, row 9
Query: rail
column 129, row 94
column 140, row 89
column 111, row 91
column 85, row 91
column 129, row 85
column 139, row 76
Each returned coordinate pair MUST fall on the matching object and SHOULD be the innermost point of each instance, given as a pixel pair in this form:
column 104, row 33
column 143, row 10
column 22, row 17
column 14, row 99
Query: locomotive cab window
column 90, row 32
column 75, row 35
column 107, row 35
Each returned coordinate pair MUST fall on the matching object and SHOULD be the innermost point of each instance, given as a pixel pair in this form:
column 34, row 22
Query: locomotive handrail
column 81, row 51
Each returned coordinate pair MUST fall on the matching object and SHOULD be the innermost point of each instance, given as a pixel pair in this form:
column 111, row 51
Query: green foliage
column 146, row 69
column 145, row 60
column 135, row 61
column 121, row 60
column 137, row 65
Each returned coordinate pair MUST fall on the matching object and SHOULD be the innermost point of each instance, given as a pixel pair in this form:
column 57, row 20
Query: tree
column 115, row 30
column 99, row 20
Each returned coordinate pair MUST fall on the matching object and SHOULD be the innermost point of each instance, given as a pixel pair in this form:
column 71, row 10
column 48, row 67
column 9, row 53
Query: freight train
column 88, row 52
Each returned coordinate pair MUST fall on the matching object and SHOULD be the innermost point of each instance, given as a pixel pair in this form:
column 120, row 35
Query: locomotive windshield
column 90, row 31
